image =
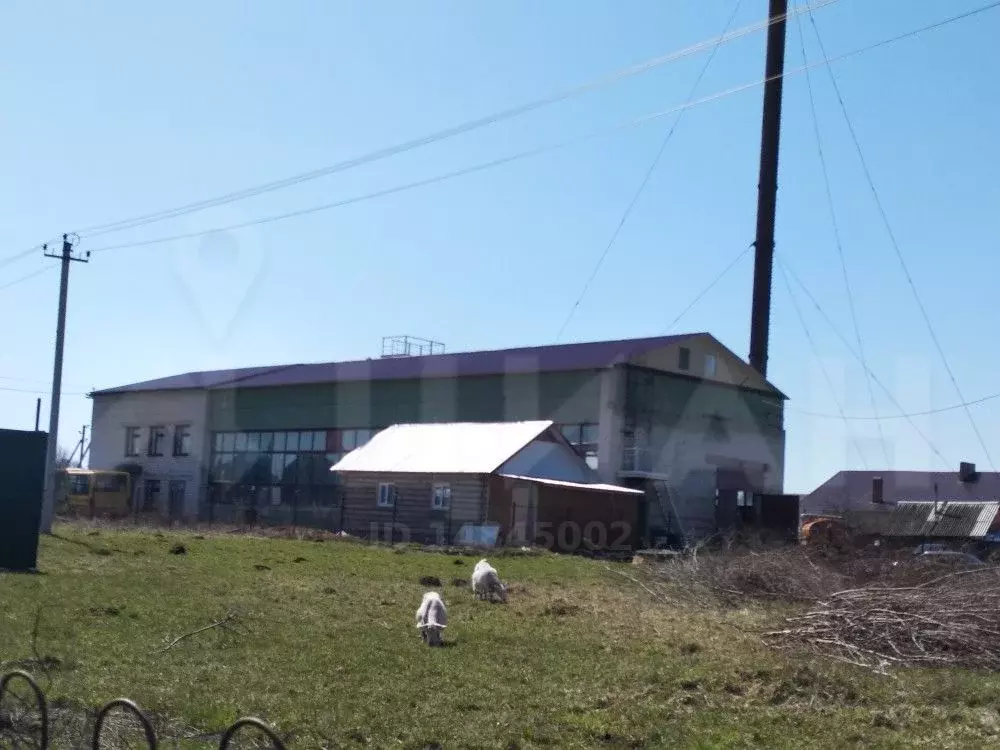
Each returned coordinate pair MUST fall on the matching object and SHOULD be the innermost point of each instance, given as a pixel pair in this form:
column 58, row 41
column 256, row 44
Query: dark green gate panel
column 22, row 480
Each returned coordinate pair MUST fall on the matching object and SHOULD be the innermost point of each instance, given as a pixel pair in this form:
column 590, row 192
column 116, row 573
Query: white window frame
column 157, row 437
column 182, row 431
column 446, row 504
column 385, row 498
column 133, row 441
column 711, row 365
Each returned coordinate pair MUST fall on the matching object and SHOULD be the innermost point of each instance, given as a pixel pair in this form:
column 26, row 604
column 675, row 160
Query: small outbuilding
column 521, row 483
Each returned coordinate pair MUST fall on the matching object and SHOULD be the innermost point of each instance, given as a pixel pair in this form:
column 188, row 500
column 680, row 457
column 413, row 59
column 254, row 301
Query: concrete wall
column 688, row 431
column 113, row 414
column 729, row 368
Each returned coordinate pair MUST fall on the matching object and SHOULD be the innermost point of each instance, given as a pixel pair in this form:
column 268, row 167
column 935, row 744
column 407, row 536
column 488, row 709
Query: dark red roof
column 559, row 357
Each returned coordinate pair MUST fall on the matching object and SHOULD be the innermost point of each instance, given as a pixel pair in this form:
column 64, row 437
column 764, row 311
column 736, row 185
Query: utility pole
column 83, row 445
column 38, row 413
column 49, row 499
column 767, row 186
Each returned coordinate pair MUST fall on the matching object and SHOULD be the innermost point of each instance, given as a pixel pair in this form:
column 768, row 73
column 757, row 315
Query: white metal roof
column 578, row 485
column 450, row 448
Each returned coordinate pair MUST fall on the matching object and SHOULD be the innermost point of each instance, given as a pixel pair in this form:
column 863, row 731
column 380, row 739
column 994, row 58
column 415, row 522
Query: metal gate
column 42, row 730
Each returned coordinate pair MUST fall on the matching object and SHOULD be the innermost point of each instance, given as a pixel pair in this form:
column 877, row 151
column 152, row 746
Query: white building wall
column 113, row 414
column 549, row 461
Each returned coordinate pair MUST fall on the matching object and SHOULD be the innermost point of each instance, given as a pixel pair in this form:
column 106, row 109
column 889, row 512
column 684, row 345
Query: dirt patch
column 430, row 581
column 561, row 609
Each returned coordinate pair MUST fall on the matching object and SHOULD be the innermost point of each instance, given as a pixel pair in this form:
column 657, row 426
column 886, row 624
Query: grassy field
column 323, row 646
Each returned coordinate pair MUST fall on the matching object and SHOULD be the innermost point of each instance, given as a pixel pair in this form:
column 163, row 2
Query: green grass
column 326, row 651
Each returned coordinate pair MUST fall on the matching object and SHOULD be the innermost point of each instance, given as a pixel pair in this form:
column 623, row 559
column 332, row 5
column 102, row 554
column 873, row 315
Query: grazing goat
column 486, row 582
column 432, row 618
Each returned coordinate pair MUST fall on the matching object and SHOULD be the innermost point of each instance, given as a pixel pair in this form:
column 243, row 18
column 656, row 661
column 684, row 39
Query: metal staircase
column 667, row 507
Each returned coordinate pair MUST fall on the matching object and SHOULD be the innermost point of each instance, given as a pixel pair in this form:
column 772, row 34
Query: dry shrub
column 736, row 576
column 952, row 620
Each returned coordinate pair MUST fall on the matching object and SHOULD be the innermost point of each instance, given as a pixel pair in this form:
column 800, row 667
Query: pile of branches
column 736, row 577
column 950, row 621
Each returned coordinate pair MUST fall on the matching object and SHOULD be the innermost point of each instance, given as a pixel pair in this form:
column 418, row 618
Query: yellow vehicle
column 94, row 492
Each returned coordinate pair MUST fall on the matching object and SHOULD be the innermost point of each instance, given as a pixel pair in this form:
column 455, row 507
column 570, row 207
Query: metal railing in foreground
column 43, row 731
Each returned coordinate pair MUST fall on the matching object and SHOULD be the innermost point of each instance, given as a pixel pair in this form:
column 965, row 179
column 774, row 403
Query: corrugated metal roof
column 852, row 490
column 928, row 519
column 450, row 448
column 594, row 355
column 596, row 487
column 582, row 356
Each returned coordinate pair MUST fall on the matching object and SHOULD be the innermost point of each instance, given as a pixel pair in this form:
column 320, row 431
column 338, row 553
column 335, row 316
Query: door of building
column 175, row 503
column 524, row 516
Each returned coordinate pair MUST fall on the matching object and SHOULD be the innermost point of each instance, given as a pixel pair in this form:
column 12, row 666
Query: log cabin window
column 440, row 497
column 386, row 495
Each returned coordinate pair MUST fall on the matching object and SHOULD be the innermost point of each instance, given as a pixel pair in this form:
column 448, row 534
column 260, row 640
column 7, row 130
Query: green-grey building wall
column 564, row 397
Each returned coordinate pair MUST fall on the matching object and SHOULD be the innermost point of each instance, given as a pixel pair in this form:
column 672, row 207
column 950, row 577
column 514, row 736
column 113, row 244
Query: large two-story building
column 680, row 416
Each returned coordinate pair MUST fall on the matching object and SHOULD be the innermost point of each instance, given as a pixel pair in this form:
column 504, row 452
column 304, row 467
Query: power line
column 27, row 252
column 17, row 379
column 7, row 389
column 847, row 345
column 440, row 135
column 551, row 147
column 837, row 237
column 826, row 373
column 26, row 277
column 718, row 277
column 895, row 243
column 646, row 177
column 927, row 413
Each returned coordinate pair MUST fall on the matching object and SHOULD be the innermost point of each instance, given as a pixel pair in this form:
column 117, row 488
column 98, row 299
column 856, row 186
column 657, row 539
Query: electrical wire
column 6, row 389
column 895, row 244
column 837, row 237
column 847, row 345
column 826, row 373
column 26, row 277
column 927, row 413
column 551, row 147
column 718, row 277
column 440, row 135
column 646, row 177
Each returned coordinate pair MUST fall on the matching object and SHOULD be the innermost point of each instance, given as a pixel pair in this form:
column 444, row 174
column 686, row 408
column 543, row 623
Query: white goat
column 432, row 618
column 486, row 582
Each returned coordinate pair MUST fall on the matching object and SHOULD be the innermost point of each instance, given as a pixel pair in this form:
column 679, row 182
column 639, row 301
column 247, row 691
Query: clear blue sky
column 117, row 109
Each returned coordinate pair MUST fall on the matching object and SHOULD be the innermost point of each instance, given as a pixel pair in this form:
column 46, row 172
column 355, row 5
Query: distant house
column 849, row 491
column 441, row 483
column 920, row 520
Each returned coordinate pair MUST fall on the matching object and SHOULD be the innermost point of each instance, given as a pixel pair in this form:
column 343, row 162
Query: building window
column 150, row 494
column 157, row 436
column 131, row 441
column 79, row 484
column 441, row 497
column 583, row 437
column 710, row 363
column 182, row 440
column 386, row 495
column 288, row 467
column 683, row 358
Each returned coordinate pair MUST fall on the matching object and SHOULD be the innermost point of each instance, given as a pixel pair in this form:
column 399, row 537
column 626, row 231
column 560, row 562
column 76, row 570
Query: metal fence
column 42, row 729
